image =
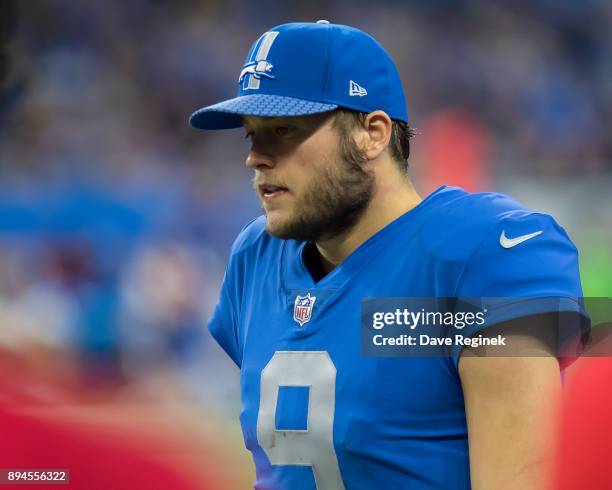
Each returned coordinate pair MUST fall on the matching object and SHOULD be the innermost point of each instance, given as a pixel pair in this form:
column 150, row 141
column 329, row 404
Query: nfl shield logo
column 302, row 310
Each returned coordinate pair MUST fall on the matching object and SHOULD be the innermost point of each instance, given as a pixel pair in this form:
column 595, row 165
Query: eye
column 283, row 130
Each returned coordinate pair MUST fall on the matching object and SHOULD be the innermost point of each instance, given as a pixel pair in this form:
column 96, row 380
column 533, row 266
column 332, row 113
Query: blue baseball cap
column 306, row 68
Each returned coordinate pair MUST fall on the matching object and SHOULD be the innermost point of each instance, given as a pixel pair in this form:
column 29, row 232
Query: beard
column 332, row 203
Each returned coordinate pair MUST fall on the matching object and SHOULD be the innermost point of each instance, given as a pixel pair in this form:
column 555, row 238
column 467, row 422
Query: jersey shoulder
column 254, row 248
column 464, row 221
column 250, row 235
column 254, row 242
column 460, row 210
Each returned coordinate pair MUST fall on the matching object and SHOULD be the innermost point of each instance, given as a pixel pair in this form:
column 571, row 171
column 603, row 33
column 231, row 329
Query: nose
column 256, row 159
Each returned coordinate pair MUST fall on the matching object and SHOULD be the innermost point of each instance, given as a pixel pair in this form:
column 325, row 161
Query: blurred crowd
column 116, row 217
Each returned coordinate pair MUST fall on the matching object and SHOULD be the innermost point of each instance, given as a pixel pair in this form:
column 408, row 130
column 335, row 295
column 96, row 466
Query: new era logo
column 356, row 89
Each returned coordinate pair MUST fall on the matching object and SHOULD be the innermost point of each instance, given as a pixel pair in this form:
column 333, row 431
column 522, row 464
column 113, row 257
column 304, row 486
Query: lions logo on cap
column 256, row 68
column 257, row 65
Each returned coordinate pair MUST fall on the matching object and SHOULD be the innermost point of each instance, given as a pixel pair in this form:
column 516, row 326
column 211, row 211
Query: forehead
column 312, row 120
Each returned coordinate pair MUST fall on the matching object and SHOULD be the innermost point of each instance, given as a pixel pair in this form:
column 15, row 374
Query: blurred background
column 116, row 217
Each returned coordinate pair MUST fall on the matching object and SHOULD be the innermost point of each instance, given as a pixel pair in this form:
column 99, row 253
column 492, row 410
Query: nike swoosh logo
column 506, row 242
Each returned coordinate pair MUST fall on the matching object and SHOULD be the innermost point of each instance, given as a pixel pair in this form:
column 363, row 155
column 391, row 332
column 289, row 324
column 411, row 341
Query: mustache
column 258, row 182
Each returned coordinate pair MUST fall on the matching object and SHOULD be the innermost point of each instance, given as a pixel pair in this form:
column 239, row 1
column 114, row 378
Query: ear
column 377, row 128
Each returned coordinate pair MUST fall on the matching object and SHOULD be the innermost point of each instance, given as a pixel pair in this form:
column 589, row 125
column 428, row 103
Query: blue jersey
column 316, row 413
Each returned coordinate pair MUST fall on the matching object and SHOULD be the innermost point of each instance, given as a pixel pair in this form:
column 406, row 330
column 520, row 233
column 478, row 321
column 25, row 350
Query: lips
column 270, row 191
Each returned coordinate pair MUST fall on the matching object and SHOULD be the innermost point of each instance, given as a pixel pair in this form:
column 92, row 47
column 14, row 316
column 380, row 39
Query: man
column 324, row 109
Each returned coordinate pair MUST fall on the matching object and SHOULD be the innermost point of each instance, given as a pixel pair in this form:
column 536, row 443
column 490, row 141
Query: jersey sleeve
column 224, row 322
column 526, row 264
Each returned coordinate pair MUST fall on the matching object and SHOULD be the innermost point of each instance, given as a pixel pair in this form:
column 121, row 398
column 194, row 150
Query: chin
column 278, row 226
column 274, row 223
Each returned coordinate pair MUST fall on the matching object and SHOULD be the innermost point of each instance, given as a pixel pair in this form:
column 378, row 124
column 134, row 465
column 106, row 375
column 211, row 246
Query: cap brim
column 228, row 114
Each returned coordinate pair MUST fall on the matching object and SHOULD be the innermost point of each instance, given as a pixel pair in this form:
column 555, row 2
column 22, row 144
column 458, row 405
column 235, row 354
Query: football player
column 324, row 109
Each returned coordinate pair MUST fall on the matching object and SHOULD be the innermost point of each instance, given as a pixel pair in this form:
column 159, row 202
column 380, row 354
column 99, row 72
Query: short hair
column 347, row 120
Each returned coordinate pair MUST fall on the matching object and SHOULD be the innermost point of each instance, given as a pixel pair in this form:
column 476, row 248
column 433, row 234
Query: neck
column 391, row 199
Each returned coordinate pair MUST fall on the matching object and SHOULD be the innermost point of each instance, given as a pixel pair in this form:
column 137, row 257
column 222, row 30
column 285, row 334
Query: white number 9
column 313, row 446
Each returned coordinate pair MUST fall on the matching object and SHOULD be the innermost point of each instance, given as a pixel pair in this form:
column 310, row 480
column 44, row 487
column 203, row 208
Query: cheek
column 313, row 164
column 307, row 186
column 309, row 166
column 298, row 173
